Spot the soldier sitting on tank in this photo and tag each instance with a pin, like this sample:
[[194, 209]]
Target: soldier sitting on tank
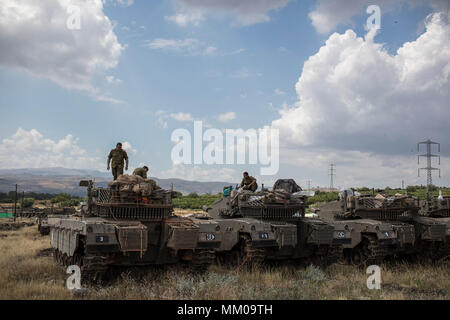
[[142, 172], [248, 183], [117, 155]]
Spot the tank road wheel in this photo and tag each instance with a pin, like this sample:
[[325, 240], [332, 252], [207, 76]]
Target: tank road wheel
[[436, 251], [56, 256], [59, 257], [203, 259], [327, 255], [368, 252], [246, 255], [77, 259]]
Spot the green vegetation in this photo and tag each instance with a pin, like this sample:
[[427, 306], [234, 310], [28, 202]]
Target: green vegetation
[[66, 200], [9, 196], [415, 191], [195, 201], [27, 202], [63, 199], [321, 196]]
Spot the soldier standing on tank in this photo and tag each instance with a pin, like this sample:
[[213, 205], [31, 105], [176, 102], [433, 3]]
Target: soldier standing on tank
[[248, 182], [117, 155], [142, 172]]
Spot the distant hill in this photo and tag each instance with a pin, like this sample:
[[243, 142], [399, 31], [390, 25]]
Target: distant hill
[[57, 171], [57, 180]]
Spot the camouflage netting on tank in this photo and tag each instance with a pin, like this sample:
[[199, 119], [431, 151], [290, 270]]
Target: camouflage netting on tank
[[277, 197], [134, 186], [288, 185], [379, 207], [380, 201], [436, 207]]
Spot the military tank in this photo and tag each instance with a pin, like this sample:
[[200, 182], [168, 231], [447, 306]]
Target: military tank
[[380, 226], [50, 213], [130, 223], [272, 225], [433, 227], [245, 240]]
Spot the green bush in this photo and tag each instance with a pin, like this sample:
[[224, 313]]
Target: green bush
[[193, 195], [178, 194], [62, 197], [27, 202], [321, 196]]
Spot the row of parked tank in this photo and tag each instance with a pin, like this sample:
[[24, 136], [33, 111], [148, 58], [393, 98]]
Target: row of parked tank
[[131, 225]]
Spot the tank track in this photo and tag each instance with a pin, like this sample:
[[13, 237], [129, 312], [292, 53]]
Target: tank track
[[251, 256], [443, 252], [435, 251], [327, 255], [203, 259], [378, 251], [93, 268], [370, 252]]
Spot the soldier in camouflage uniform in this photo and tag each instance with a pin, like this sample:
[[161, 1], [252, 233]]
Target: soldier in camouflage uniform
[[248, 183], [142, 172], [117, 155]]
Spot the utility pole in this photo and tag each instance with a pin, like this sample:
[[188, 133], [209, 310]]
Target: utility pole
[[332, 175], [15, 204], [21, 204], [429, 156], [309, 184], [403, 184]]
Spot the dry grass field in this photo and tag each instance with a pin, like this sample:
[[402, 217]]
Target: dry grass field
[[27, 271]]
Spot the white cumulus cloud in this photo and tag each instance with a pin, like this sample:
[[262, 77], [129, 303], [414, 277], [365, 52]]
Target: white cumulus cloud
[[113, 80], [181, 116], [329, 14], [246, 12], [279, 92], [227, 116], [188, 46], [128, 148], [122, 3], [34, 37], [30, 149], [201, 173], [187, 18], [356, 99], [353, 88]]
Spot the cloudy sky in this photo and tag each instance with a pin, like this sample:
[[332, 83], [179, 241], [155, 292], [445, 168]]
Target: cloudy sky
[[134, 71]]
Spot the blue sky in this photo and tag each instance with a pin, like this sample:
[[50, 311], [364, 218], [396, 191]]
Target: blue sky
[[225, 59]]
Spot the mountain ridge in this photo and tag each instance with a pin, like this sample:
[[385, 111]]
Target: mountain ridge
[[63, 180]]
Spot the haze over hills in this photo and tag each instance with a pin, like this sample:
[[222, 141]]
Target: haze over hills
[[57, 180]]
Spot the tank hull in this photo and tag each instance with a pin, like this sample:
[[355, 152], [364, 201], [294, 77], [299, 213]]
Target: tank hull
[[371, 240]]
